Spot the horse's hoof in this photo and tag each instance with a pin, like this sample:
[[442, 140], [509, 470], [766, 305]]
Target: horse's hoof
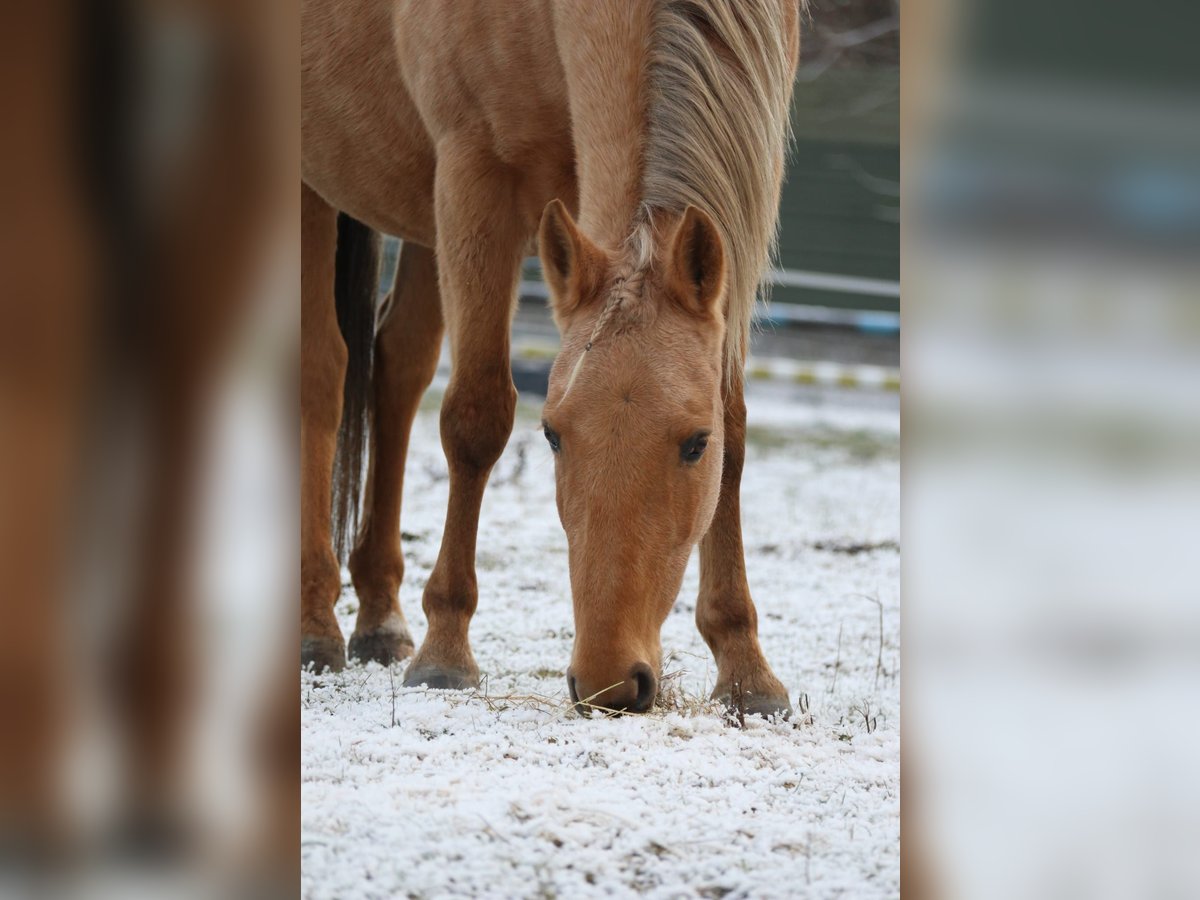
[[440, 679], [384, 644], [769, 703], [321, 653], [153, 837], [779, 707]]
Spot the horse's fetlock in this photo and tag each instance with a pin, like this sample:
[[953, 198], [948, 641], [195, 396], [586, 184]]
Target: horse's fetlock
[[720, 621], [319, 574], [452, 606], [371, 565]]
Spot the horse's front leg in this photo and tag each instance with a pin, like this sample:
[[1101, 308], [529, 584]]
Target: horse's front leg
[[480, 238], [725, 612]]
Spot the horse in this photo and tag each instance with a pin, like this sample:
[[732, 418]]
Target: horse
[[638, 146]]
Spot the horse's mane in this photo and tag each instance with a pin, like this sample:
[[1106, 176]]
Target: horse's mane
[[718, 90]]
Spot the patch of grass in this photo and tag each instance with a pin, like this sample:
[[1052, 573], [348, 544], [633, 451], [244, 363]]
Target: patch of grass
[[805, 376], [769, 438], [854, 549], [860, 445], [527, 410], [490, 562], [537, 352], [328, 692], [671, 699]]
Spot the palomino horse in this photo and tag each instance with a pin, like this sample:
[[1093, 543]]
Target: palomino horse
[[647, 138]]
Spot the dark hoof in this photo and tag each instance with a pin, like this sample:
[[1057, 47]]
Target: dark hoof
[[150, 837], [742, 704], [770, 707], [322, 653], [441, 679], [383, 645]]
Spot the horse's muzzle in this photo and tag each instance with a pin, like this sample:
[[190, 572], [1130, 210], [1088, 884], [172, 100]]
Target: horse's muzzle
[[635, 693]]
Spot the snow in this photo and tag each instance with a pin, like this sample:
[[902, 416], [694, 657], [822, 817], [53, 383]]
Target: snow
[[506, 792]]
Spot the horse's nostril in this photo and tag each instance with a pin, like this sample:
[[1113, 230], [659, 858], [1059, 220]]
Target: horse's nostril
[[647, 687], [635, 693]]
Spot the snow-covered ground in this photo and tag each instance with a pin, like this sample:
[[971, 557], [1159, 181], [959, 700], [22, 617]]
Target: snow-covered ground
[[505, 792]]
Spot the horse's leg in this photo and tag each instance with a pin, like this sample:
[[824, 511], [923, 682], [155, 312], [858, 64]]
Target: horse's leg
[[189, 316], [406, 355], [155, 659], [725, 612], [323, 369], [480, 238]]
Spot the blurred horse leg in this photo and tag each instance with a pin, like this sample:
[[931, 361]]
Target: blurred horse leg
[[196, 283], [47, 276]]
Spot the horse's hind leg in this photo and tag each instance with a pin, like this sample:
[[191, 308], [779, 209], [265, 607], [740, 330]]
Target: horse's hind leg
[[406, 354], [480, 239], [725, 612], [323, 370]]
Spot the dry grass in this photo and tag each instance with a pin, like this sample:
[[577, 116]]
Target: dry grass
[[672, 698]]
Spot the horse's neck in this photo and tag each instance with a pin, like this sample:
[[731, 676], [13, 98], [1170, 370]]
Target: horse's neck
[[603, 48]]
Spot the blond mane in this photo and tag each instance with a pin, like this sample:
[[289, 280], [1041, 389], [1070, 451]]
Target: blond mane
[[698, 116], [719, 87]]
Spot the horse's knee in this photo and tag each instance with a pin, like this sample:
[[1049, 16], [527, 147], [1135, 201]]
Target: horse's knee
[[725, 614], [477, 420]]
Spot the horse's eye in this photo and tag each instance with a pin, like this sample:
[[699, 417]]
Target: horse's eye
[[551, 437], [693, 448]]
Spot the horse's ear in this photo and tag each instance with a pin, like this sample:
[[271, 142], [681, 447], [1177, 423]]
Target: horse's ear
[[697, 267], [569, 260]]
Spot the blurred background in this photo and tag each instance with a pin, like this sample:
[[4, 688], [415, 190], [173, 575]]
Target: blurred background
[[1051, 487]]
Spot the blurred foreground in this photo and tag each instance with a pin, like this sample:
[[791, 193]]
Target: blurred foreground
[[147, 345]]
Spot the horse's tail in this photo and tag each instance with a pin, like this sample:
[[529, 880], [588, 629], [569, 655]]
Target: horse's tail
[[356, 283]]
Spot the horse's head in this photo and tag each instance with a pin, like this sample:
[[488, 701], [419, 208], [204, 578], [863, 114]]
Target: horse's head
[[634, 418]]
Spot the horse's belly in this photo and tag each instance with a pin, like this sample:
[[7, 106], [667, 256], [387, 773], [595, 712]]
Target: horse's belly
[[390, 190], [363, 145], [384, 83]]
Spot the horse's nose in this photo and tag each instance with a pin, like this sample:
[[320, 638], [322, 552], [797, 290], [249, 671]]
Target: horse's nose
[[646, 685], [635, 693]]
